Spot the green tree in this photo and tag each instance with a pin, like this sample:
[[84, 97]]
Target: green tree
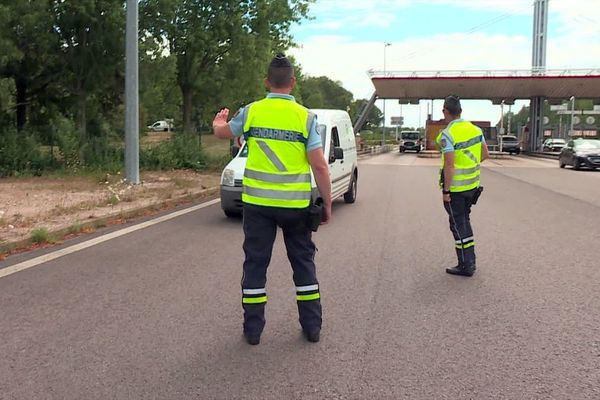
[[554, 119], [322, 92], [160, 97], [91, 34], [219, 45], [374, 118], [28, 51]]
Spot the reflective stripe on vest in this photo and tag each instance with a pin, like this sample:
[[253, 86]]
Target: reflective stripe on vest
[[467, 139], [277, 170]]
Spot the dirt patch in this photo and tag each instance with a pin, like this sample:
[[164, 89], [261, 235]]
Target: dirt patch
[[67, 203]]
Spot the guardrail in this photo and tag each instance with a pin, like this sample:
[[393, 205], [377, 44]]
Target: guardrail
[[372, 150]]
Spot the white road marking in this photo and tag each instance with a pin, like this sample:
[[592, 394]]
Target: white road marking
[[101, 239]]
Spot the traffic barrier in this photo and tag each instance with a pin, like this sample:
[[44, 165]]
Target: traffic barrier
[[372, 150]]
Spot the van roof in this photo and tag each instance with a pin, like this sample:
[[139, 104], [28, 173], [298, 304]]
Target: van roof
[[328, 113]]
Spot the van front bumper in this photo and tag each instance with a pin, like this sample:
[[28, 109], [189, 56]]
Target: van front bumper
[[231, 198]]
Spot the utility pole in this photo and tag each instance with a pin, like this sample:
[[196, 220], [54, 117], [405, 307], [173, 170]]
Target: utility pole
[[538, 67], [385, 46], [132, 123]]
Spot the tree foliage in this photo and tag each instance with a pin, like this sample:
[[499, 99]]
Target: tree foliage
[[220, 46], [555, 120], [375, 117], [322, 92], [62, 73]]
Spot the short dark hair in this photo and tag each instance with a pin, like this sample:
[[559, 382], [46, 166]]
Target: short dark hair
[[452, 104], [280, 72]]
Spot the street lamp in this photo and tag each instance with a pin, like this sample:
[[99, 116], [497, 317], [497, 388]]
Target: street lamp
[[132, 130], [385, 46]]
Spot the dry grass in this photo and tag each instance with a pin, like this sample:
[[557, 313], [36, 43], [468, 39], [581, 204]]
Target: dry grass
[[211, 145], [71, 204]]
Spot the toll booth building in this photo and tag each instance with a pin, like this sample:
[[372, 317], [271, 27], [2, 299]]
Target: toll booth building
[[553, 86]]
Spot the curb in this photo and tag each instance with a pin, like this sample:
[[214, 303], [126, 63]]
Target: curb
[[548, 156], [496, 155], [429, 154], [112, 219]]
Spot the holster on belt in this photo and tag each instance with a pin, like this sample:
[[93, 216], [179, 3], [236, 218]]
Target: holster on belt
[[315, 214], [476, 195]]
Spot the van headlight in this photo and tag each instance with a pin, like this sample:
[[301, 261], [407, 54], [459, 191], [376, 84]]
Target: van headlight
[[227, 179]]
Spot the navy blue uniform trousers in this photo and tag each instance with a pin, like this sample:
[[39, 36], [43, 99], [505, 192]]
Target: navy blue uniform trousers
[[459, 212], [260, 229]]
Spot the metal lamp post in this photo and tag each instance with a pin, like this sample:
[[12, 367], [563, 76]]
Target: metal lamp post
[[132, 123], [385, 46]]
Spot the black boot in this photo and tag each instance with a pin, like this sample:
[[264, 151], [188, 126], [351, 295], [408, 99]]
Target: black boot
[[462, 270], [313, 336], [252, 339]]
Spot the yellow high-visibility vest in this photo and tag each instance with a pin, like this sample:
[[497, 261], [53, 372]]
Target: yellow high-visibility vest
[[467, 139], [277, 169]]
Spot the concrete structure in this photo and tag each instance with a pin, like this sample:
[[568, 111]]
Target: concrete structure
[[498, 86], [433, 128]]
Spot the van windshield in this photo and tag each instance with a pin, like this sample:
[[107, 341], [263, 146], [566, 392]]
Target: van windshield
[[410, 135], [322, 131], [243, 151]]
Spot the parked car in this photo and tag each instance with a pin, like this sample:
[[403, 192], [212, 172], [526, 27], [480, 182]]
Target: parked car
[[553, 144], [510, 144], [410, 140], [339, 146], [580, 153], [160, 126]]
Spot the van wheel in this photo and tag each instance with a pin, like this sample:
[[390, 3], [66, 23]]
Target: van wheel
[[350, 195], [232, 214]]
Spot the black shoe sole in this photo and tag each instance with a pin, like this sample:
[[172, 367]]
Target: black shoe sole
[[252, 340], [460, 273], [312, 337]]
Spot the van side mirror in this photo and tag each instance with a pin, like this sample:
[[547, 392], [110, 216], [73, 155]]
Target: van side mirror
[[234, 151], [338, 154]]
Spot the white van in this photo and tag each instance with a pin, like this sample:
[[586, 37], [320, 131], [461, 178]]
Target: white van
[[339, 145], [161, 126]]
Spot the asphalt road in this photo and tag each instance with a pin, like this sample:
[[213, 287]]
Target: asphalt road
[[156, 314]]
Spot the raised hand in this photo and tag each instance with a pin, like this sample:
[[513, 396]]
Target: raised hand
[[221, 118]]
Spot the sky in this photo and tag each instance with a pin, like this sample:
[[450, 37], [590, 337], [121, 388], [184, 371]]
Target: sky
[[344, 39]]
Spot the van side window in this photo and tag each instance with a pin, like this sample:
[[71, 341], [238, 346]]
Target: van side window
[[335, 137], [335, 142]]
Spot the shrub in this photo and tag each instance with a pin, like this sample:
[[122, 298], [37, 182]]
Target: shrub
[[180, 152], [20, 154], [40, 235], [65, 134]]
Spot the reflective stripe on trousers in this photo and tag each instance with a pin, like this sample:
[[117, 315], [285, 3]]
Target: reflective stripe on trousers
[[459, 210]]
